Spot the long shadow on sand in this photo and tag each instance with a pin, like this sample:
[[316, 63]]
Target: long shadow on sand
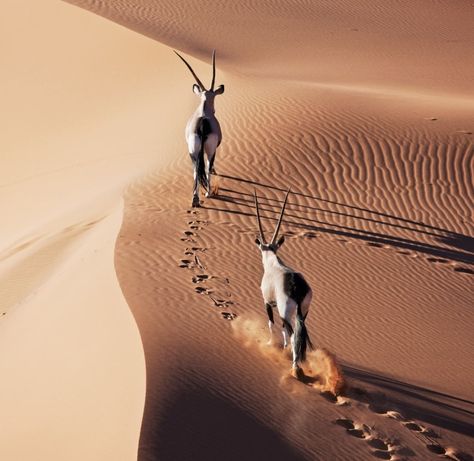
[[197, 425], [433, 407], [465, 242], [302, 216]]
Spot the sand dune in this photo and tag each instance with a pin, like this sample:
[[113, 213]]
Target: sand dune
[[366, 111], [371, 222]]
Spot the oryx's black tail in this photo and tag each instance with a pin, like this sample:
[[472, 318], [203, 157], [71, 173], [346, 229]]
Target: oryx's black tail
[[203, 130], [302, 341]]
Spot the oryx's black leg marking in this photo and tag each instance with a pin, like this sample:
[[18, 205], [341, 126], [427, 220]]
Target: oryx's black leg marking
[[196, 202], [269, 312]]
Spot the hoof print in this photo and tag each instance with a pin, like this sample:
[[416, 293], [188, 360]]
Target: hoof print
[[200, 278], [185, 263], [436, 449], [359, 433], [378, 444], [228, 315], [381, 454], [413, 426], [345, 423]]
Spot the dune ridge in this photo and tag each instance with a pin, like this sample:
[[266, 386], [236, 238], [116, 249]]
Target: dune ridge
[[332, 42]]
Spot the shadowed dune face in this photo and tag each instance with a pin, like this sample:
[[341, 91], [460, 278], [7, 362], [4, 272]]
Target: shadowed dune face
[[337, 42], [202, 425]]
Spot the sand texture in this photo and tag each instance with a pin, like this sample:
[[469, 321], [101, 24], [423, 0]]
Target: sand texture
[[365, 110]]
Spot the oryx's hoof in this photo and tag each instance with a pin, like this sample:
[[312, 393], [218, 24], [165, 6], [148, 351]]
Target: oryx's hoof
[[213, 171], [196, 202], [209, 194], [297, 372]]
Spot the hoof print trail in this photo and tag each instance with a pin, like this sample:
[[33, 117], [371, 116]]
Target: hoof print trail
[[196, 263], [380, 448]]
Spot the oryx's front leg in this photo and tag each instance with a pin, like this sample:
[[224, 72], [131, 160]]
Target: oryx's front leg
[[210, 147], [269, 308], [194, 147]]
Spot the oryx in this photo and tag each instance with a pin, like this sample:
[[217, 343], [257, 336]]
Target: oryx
[[285, 288], [203, 132]]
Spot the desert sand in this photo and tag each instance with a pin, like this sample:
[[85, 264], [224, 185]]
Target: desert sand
[[133, 325]]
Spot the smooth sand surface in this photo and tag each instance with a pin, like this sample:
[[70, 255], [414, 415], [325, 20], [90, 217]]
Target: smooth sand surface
[[366, 111], [71, 359]]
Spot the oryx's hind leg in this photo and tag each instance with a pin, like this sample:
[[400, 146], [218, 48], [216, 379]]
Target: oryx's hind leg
[[212, 170], [287, 310], [210, 147], [286, 331], [194, 147]]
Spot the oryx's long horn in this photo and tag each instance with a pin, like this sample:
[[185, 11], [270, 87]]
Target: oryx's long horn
[[277, 228], [213, 69], [203, 88], [262, 236]]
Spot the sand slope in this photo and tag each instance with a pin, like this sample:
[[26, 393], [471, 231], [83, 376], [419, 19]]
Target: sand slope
[[371, 223]]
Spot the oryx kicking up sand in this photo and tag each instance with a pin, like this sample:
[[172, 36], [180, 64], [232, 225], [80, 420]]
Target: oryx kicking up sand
[[287, 289], [203, 132]]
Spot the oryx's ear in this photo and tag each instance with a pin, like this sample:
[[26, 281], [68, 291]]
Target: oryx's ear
[[196, 89], [257, 241], [219, 89], [281, 241]]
